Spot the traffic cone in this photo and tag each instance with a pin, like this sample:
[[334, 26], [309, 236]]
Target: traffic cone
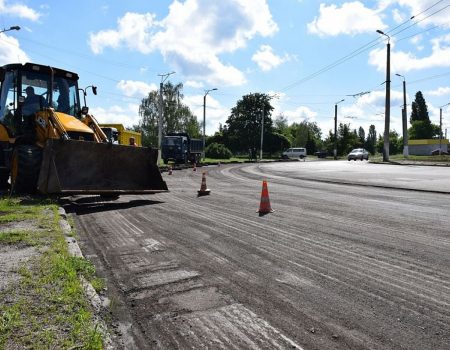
[[195, 167], [264, 206], [203, 191], [170, 170]]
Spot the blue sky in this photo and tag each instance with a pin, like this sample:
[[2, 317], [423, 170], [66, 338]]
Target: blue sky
[[310, 53]]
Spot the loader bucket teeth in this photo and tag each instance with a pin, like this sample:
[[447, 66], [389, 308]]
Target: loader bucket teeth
[[80, 167]]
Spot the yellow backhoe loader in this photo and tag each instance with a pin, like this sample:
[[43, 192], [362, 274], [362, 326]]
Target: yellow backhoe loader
[[52, 145]]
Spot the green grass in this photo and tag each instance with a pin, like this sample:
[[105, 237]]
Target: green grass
[[48, 308]]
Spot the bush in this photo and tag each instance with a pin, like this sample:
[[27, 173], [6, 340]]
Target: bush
[[218, 151]]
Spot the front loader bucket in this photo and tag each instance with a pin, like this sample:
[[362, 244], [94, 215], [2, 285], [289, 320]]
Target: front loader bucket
[[82, 167]]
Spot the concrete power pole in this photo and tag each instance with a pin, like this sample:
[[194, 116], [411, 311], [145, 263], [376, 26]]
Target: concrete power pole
[[387, 112]]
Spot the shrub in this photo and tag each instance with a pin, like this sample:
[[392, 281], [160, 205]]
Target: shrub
[[218, 151]]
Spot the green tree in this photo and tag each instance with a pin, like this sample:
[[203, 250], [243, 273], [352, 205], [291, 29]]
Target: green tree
[[421, 126], [361, 136], [371, 140], [243, 126], [177, 117], [395, 143]]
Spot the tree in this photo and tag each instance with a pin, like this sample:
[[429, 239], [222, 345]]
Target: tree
[[361, 135], [177, 117], [371, 140], [243, 130], [421, 126]]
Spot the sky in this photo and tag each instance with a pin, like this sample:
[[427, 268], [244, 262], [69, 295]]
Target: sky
[[308, 55]]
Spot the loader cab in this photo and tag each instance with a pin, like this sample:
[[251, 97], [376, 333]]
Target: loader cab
[[30, 88]]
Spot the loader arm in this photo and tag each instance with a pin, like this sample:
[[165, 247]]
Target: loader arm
[[90, 121]]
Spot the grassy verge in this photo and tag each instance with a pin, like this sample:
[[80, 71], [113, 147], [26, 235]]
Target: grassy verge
[[47, 308]]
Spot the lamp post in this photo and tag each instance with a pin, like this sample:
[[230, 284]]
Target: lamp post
[[335, 128], [440, 127], [404, 119], [204, 118], [10, 28], [160, 114], [387, 106]]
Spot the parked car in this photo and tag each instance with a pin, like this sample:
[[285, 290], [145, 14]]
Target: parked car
[[436, 152], [294, 153], [358, 153], [321, 154]]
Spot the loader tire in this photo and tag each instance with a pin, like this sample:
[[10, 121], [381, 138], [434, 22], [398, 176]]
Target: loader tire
[[25, 167]]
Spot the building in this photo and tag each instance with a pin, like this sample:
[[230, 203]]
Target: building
[[426, 146]]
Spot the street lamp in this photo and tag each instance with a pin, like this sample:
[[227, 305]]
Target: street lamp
[[262, 125], [404, 118], [204, 117], [10, 28], [440, 127], [387, 106], [161, 111], [335, 128]]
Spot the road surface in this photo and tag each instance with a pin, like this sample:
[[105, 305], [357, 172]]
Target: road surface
[[334, 267]]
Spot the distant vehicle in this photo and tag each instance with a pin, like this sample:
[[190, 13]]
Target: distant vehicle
[[358, 153], [321, 154], [294, 153], [436, 152], [180, 148], [118, 134]]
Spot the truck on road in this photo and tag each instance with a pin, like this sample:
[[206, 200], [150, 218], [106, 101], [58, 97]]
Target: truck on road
[[180, 148]]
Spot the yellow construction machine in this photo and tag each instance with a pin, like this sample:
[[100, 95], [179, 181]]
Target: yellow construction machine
[[52, 145]]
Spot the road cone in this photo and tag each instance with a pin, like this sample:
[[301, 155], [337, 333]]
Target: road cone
[[264, 206], [195, 167], [203, 191], [170, 170]]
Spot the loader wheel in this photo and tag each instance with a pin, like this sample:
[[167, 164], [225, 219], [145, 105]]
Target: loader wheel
[[25, 167]]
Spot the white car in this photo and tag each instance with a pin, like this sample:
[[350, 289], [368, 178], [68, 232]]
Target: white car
[[358, 153], [294, 153]]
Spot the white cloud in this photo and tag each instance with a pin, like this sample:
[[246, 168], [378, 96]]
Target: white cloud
[[194, 84], [11, 51], [193, 36], [133, 88], [128, 115], [215, 113], [441, 91], [418, 6], [407, 61], [300, 114], [266, 59], [352, 18], [18, 10]]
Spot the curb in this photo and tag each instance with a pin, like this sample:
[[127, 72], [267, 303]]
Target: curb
[[97, 302]]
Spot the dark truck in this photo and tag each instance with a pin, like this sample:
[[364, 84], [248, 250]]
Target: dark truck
[[180, 148]]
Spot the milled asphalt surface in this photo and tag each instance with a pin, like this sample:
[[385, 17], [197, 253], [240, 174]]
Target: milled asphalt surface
[[334, 267]]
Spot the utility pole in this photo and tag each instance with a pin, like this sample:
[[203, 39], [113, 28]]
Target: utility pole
[[404, 119], [387, 106], [204, 119], [262, 125], [161, 109], [335, 128]]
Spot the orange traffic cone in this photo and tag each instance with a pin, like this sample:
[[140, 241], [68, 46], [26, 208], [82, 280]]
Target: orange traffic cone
[[264, 206], [170, 170], [195, 167], [203, 191]]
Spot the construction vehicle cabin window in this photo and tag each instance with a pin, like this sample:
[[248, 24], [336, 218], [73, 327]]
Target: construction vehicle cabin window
[[7, 99], [35, 89], [65, 96]]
